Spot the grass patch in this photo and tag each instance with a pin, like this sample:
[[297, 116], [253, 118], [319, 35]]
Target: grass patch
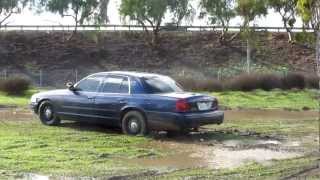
[[15, 100], [277, 99], [32, 147], [279, 169]]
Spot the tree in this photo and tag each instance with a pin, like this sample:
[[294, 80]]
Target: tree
[[181, 10], [152, 12], [287, 10], [248, 10], [80, 10], [102, 15], [8, 8], [310, 12], [219, 12]]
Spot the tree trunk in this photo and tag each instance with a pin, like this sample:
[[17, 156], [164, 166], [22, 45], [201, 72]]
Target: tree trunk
[[248, 56], [318, 72]]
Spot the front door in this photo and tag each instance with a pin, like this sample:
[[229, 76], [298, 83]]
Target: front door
[[80, 104]]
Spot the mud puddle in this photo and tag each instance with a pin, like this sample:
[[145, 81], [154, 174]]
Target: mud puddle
[[224, 154], [13, 114]]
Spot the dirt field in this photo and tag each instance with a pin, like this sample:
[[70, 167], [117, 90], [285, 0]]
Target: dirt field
[[251, 144]]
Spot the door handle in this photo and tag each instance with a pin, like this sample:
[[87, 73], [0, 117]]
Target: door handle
[[123, 101], [91, 98]]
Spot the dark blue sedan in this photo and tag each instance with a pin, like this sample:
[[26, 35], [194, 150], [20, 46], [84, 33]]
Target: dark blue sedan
[[136, 102]]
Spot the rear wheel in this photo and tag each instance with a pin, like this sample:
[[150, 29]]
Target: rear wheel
[[134, 123], [47, 114]]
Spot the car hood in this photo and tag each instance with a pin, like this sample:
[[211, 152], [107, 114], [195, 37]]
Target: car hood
[[53, 92]]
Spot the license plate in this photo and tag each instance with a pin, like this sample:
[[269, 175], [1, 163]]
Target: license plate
[[202, 106]]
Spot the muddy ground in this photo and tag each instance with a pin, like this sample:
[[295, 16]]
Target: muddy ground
[[211, 147]]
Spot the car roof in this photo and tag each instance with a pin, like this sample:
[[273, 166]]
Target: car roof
[[130, 73]]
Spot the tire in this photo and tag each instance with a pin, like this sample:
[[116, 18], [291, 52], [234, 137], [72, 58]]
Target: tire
[[47, 114], [134, 123]]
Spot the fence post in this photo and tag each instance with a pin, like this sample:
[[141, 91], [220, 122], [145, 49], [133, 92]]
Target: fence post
[[219, 74], [76, 74], [5, 73], [40, 79]]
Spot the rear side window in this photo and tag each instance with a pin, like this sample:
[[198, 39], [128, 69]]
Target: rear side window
[[90, 84], [155, 85], [115, 85]]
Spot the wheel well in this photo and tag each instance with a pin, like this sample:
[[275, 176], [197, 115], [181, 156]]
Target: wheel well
[[40, 102], [123, 112]]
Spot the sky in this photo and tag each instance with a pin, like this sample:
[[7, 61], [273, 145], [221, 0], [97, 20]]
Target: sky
[[28, 17]]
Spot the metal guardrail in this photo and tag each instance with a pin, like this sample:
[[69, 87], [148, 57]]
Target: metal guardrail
[[139, 28]]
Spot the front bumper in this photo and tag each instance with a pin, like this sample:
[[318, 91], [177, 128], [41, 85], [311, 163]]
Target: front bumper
[[34, 107]]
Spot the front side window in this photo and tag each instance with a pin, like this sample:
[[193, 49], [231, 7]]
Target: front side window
[[90, 84], [156, 85], [115, 85]]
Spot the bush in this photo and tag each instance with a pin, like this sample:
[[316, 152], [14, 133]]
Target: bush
[[268, 82], [191, 84], [209, 85], [14, 86], [243, 82], [312, 81], [294, 80]]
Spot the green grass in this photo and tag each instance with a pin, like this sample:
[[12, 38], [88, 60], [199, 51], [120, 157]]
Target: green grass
[[276, 99], [21, 101], [32, 147]]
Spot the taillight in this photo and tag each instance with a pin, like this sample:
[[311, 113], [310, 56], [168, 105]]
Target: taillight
[[182, 106]]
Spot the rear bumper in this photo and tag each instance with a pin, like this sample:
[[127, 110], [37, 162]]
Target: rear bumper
[[179, 121], [199, 119]]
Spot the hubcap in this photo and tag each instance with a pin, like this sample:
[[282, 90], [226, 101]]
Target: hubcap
[[48, 113], [134, 126]]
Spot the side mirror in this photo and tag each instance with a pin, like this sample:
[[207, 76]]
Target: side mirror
[[70, 86]]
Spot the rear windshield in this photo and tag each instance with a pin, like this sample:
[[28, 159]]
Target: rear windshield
[[158, 85]]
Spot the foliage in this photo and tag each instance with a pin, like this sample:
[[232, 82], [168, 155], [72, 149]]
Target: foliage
[[181, 10], [152, 12], [14, 86], [218, 11], [10, 7], [287, 10], [310, 12], [82, 10]]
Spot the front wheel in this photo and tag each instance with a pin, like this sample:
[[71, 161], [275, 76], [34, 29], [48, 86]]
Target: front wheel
[[134, 123], [47, 114]]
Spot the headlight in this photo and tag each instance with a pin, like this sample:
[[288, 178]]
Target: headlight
[[34, 99]]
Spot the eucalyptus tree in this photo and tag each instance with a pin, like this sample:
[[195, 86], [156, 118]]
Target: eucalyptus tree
[[287, 10], [151, 13], [80, 11], [249, 10], [182, 10], [310, 12], [219, 12], [10, 7]]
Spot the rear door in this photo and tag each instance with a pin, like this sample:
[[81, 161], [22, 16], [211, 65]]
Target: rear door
[[114, 94]]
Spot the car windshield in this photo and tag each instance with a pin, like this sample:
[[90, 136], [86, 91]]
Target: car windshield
[[157, 85]]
